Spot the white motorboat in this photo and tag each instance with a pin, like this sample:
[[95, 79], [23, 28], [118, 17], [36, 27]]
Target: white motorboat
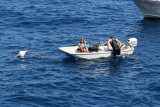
[[149, 8], [101, 51]]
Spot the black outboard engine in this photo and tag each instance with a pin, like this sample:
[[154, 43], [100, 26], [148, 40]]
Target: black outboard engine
[[116, 48]]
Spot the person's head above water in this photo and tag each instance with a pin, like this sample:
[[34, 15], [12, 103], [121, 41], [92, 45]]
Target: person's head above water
[[111, 37]]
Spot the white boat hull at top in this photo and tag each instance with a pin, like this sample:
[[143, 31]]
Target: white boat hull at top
[[102, 50], [149, 8]]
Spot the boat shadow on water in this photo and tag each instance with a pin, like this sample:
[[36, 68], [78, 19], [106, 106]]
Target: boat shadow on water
[[111, 66], [148, 24]]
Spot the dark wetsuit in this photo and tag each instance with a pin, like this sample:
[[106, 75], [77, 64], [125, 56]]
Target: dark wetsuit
[[116, 49]]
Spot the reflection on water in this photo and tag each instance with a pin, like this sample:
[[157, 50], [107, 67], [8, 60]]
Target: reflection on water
[[112, 66], [24, 66]]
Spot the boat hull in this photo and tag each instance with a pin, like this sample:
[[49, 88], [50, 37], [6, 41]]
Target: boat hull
[[149, 8], [92, 55]]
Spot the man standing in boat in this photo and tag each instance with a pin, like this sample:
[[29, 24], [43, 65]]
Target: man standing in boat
[[115, 43]]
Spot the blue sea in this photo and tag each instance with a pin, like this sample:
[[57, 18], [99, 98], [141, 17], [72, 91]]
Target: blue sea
[[42, 26]]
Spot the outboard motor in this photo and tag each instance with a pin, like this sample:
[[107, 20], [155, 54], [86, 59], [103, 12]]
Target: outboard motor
[[132, 42]]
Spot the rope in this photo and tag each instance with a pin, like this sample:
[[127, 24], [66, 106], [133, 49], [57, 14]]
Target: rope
[[30, 54], [40, 56]]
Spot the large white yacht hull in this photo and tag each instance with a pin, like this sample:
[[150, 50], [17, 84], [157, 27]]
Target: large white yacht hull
[[149, 8]]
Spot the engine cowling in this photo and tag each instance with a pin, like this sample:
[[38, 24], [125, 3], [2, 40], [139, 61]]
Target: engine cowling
[[132, 42]]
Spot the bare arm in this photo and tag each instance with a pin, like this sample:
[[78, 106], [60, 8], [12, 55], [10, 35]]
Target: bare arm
[[85, 43], [108, 43], [119, 42], [79, 45]]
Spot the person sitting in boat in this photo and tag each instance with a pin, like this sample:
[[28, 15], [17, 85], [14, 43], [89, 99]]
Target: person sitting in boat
[[115, 43], [82, 45]]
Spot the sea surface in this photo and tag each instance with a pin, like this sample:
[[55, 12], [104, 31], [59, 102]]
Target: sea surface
[[42, 26]]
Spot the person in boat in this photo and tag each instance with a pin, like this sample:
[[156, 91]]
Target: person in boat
[[115, 44], [82, 45]]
